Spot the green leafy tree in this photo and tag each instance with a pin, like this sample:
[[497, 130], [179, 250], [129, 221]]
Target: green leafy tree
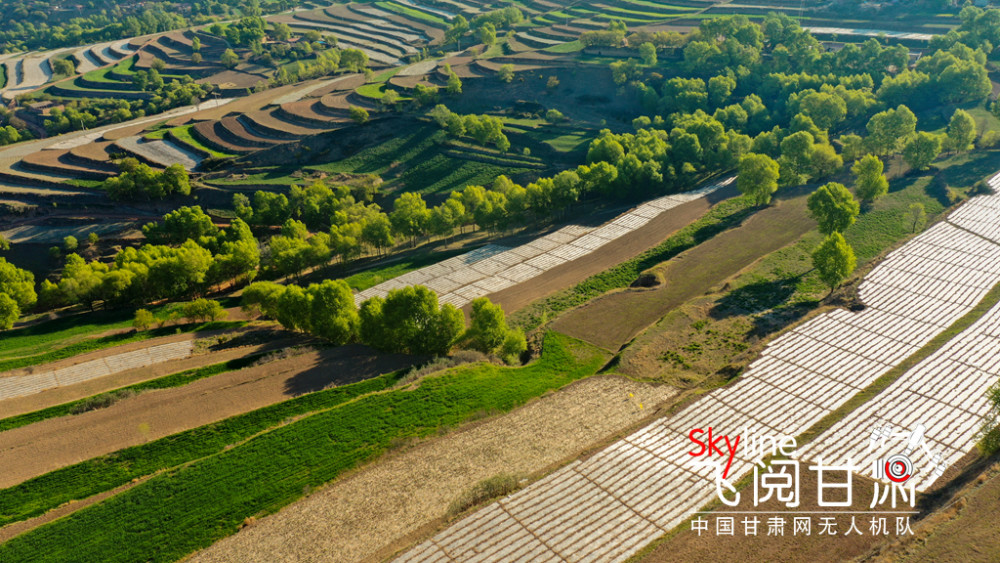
[[488, 327], [143, 320], [9, 311], [410, 320], [18, 284], [334, 315], [488, 34], [229, 59], [358, 114], [834, 260], [887, 130], [758, 177], [921, 150], [869, 182], [833, 207], [506, 73], [647, 52], [454, 85], [204, 310], [961, 131], [93, 238], [916, 215], [70, 244]]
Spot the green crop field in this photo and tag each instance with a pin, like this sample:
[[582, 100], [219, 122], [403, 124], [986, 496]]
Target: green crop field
[[412, 13], [179, 511], [183, 134], [374, 276]]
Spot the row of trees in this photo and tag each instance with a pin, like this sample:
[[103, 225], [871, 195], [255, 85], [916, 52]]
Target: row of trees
[[193, 256], [138, 181], [408, 320], [484, 129]]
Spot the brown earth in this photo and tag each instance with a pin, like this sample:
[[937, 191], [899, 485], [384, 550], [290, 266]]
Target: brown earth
[[609, 255], [50, 444], [612, 320], [386, 506]]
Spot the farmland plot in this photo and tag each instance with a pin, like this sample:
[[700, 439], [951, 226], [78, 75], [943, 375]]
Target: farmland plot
[[610, 505], [492, 268]]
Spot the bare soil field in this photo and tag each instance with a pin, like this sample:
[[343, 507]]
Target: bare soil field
[[32, 450], [382, 508], [609, 255], [613, 320]]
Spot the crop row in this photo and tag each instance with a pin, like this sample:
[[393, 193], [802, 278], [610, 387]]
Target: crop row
[[177, 512]]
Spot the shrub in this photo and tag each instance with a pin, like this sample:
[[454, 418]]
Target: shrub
[[204, 310], [143, 319], [484, 491]]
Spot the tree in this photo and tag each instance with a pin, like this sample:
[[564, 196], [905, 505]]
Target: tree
[[9, 311], [796, 157], [63, 67], [554, 116], [647, 52], [229, 59], [93, 238], [204, 310], [758, 177], [869, 182], [833, 207], [506, 73], [921, 150], [70, 244], [961, 131], [353, 60], [459, 25], [334, 315], [552, 83], [834, 260], [488, 34], [158, 65], [454, 82], [853, 146], [409, 216], [410, 320], [143, 320], [196, 58], [488, 328], [890, 128], [358, 114], [916, 215], [195, 44]]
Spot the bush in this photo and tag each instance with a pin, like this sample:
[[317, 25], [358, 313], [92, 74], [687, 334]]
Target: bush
[[989, 139], [514, 346], [70, 244], [485, 491], [204, 310], [143, 320]]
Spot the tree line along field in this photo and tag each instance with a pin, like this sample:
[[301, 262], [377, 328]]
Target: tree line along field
[[820, 113]]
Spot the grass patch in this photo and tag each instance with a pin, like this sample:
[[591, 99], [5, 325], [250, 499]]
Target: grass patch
[[568, 47], [84, 183], [570, 141], [373, 90], [183, 134], [103, 400], [412, 13], [370, 278], [180, 511]]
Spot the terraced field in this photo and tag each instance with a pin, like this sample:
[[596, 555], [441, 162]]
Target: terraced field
[[610, 505]]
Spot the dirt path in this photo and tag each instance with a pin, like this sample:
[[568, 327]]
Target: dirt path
[[609, 255], [384, 506], [48, 445], [613, 320]]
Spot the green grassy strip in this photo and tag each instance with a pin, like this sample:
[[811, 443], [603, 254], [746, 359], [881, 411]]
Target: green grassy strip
[[93, 344], [176, 513], [3, 76], [723, 216], [412, 13], [370, 278], [183, 134], [173, 380], [104, 473]]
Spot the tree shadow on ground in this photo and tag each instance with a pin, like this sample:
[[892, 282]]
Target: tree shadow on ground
[[755, 298], [347, 364]]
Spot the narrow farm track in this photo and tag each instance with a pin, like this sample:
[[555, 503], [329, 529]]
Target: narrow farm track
[[36, 449], [610, 505]]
